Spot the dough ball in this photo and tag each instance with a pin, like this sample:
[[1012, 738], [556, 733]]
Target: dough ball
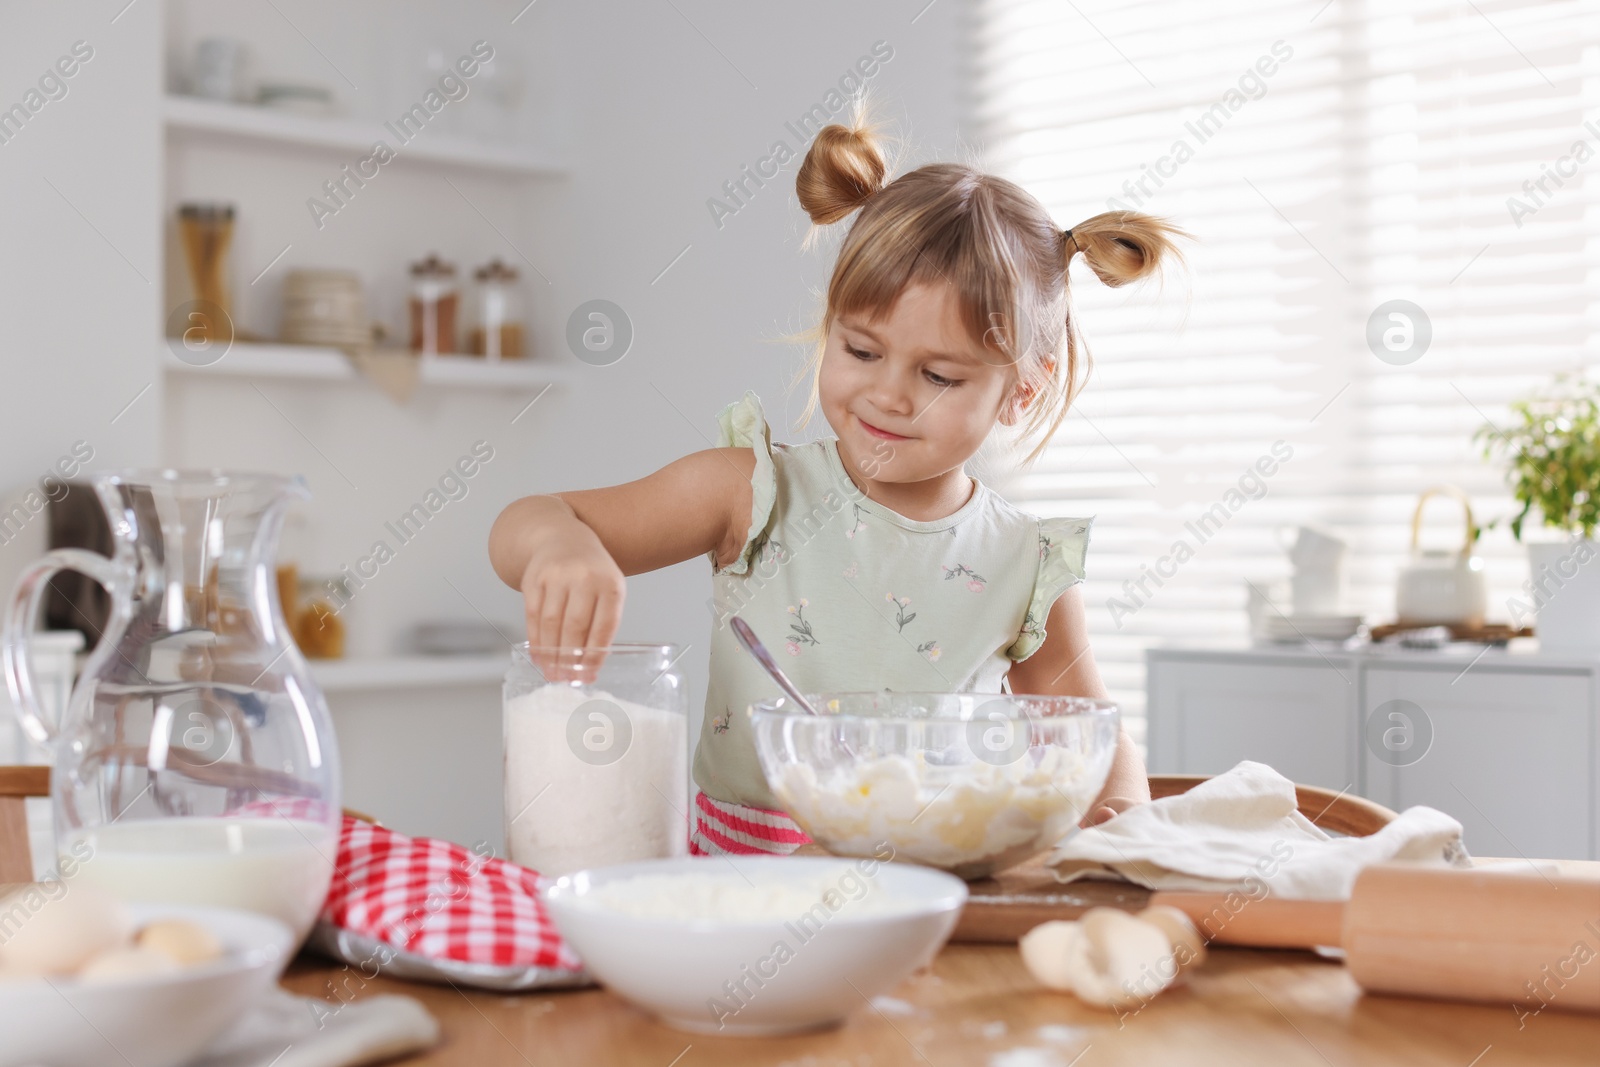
[[58, 935], [1188, 947], [123, 964], [187, 943]]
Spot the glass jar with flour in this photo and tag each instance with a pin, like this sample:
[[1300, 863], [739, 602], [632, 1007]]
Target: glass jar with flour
[[596, 756]]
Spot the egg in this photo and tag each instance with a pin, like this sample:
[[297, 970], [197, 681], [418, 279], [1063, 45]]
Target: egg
[[1108, 958], [183, 941], [121, 964], [58, 934], [1188, 947], [1052, 951], [1130, 960]]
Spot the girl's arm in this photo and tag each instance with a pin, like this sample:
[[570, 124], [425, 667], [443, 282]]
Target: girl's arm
[[568, 552], [1064, 666]]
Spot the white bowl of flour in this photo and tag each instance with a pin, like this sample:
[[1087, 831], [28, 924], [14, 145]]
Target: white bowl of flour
[[762, 945]]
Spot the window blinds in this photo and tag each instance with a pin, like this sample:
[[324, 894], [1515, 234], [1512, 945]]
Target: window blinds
[[1329, 157]]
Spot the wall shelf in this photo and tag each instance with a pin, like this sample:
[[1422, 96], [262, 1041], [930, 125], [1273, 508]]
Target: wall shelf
[[185, 115], [405, 672], [312, 363]]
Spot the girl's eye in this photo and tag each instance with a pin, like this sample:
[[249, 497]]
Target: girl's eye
[[937, 379]]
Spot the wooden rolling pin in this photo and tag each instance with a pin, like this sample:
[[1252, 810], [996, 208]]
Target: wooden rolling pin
[[1508, 937]]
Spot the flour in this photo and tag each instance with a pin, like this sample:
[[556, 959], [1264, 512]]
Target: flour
[[756, 896], [593, 780]]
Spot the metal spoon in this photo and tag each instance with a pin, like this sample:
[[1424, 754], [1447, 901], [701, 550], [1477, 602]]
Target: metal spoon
[[752, 644]]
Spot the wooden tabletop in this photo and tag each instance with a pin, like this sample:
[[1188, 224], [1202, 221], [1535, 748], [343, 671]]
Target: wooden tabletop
[[978, 1007]]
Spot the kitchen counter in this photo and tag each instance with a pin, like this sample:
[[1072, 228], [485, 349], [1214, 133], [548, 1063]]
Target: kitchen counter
[[978, 1007]]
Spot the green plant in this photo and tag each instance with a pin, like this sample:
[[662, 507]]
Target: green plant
[[1553, 453]]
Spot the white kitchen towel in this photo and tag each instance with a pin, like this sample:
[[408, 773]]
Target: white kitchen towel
[[284, 1030], [1241, 831]]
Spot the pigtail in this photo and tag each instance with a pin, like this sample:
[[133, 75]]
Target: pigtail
[[1122, 246]]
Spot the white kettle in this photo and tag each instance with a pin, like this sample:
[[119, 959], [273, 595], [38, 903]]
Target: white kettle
[[1442, 587]]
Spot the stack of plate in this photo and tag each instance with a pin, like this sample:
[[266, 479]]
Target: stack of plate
[[1289, 628]]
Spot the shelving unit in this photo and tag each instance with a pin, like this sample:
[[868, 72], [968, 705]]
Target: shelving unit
[[311, 363], [406, 672], [186, 115]]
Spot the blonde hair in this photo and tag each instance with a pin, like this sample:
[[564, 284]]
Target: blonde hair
[[1005, 258]]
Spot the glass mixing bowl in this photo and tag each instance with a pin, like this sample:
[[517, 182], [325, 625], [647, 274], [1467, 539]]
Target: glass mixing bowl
[[971, 783]]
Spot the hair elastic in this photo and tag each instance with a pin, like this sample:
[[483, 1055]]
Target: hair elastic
[[1075, 246]]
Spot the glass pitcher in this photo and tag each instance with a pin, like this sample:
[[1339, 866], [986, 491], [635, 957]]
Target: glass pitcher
[[195, 761]]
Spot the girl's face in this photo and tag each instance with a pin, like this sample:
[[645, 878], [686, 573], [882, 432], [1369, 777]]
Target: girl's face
[[912, 396]]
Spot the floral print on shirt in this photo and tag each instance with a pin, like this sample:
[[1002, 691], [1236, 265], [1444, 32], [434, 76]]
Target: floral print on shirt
[[800, 631], [858, 523], [900, 604], [975, 581]]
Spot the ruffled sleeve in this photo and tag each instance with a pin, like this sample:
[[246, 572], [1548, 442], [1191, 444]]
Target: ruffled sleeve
[[742, 425], [1063, 544]]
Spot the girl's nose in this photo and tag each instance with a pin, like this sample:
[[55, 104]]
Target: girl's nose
[[891, 391]]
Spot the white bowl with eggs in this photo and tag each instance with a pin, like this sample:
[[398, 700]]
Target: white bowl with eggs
[[86, 982], [755, 945]]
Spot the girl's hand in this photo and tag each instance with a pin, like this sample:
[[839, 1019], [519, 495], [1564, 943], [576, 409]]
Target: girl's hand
[[1108, 808], [572, 595]]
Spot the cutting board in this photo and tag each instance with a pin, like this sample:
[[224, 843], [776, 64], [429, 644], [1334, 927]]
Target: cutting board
[[1005, 907]]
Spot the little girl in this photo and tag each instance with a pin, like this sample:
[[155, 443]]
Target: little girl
[[869, 560]]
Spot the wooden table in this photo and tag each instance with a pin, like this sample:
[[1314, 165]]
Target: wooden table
[[978, 1007]]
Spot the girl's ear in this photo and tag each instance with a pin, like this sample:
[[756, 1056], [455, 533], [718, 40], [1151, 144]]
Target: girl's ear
[[1015, 405]]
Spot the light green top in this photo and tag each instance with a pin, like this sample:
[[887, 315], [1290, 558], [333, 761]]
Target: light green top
[[849, 595]]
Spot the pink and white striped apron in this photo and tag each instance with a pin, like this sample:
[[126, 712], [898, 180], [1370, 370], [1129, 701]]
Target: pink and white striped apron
[[722, 829]]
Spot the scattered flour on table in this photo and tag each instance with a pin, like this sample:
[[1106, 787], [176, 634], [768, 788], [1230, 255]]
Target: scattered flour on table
[[1026, 1057], [1057, 1034], [892, 1006], [565, 813]]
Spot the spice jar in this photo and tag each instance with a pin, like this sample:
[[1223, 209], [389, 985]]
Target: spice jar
[[596, 756], [206, 232], [434, 300], [497, 328]]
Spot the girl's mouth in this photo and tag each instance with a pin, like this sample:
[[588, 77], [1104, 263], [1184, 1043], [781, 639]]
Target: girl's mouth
[[883, 434]]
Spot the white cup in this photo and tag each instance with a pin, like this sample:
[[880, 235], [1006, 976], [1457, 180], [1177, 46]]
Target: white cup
[[1314, 548], [1315, 591], [216, 69]]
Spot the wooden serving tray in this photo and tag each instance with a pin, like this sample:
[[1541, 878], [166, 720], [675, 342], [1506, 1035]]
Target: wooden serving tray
[[1005, 907], [1488, 633]]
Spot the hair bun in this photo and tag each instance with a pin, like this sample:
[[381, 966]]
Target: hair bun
[[842, 170]]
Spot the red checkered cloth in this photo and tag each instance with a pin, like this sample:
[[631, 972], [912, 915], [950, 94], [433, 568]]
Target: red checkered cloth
[[415, 907], [724, 829]]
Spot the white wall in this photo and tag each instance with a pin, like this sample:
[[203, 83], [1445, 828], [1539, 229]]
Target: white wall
[[79, 251], [653, 106]]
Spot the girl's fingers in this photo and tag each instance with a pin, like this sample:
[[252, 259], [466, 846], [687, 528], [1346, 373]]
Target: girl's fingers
[[575, 632], [607, 617], [552, 609], [532, 608]]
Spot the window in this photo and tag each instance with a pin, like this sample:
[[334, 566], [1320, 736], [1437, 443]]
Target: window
[[1329, 158]]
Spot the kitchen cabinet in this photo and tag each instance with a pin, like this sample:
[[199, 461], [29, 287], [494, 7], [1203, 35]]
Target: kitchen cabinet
[[1291, 716], [1506, 741]]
